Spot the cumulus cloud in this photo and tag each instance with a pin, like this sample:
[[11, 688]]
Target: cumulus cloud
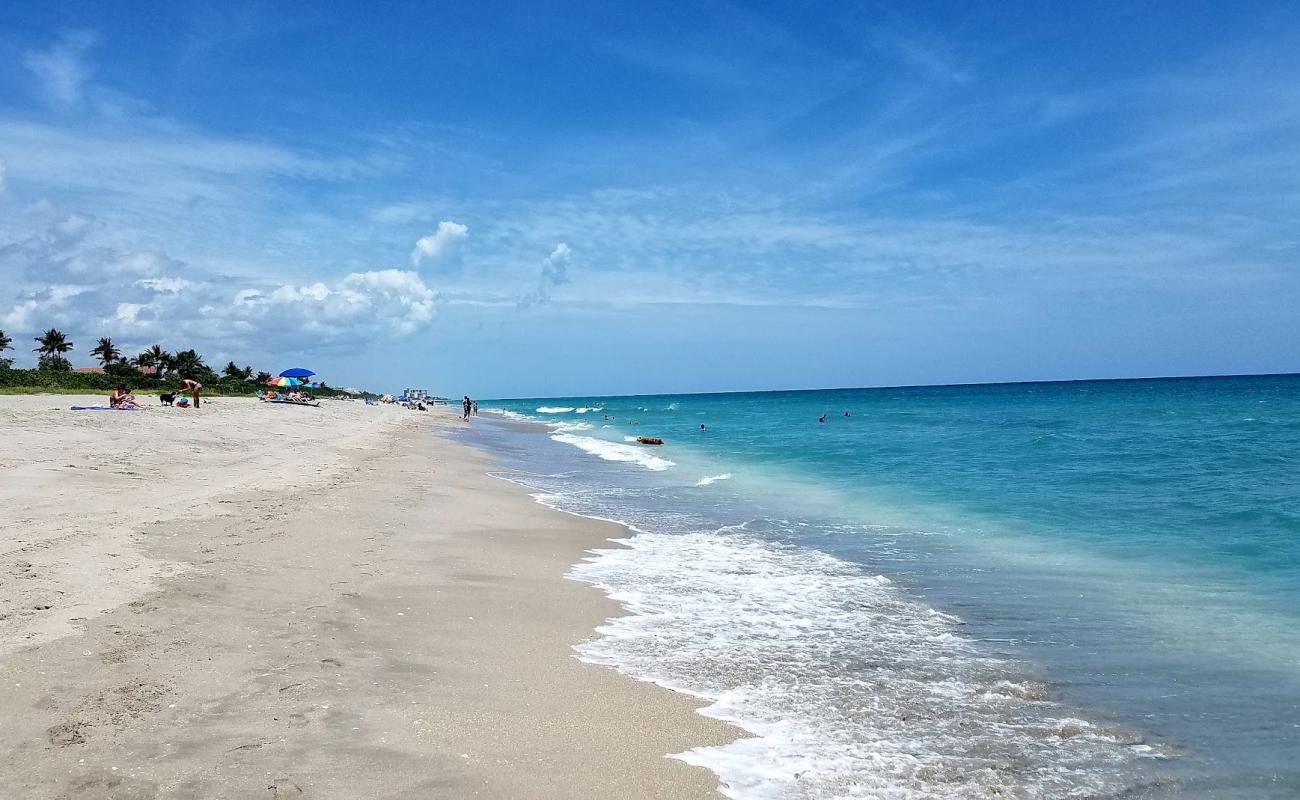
[[555, 272], [441, 246], [391, 299], [61, 71], [68, 272], [555, 267]]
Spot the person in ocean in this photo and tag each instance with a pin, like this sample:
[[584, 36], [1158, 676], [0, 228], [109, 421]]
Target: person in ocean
[[846, 413], [822, 418], [465, 405], [702, 426], [476, 408], [192, 387]]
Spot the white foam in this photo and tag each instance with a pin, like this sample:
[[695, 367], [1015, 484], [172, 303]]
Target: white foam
[[614, 451], [569, 427], [726, 476], [851, 687], [553, 409]]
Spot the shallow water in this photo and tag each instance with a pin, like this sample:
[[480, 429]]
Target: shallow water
[[1041, 590]]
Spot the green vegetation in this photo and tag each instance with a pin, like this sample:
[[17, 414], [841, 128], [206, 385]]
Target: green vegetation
[[54, 373]]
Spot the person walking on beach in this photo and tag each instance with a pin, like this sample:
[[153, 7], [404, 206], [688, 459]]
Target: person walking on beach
[[476, 408], [465, 404], [192, 387]]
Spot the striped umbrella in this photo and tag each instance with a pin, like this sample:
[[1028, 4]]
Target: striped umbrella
[[284, 382]]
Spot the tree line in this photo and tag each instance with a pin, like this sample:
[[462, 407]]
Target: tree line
[[53, 346]]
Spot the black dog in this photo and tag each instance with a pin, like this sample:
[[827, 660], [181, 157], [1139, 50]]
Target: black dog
[[167, 399]]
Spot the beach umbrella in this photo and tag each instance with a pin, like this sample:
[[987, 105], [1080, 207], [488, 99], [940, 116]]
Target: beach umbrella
[[297, 372], [282, 381]]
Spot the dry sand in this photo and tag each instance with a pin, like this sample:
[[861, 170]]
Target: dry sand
[[251, 601]]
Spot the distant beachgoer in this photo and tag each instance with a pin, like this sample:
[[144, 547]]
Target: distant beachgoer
[[822, 418], [466, 404], [193, 387], [702, 426], [846, 413], [476, 408]]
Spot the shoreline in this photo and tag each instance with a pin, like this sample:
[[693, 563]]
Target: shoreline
[[377, 617]]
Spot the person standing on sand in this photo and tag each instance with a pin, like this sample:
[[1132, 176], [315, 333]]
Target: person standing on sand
[[465, 404], [476, 408], [188, 385]]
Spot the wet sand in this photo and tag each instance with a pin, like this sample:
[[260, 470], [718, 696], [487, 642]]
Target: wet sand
[[267, 601]]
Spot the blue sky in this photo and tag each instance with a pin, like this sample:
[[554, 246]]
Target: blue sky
[[568, 198]]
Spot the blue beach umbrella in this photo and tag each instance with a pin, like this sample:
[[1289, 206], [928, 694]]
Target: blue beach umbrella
[[297, 372]]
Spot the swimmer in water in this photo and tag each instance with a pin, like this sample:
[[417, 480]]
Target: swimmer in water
[[822, 418]]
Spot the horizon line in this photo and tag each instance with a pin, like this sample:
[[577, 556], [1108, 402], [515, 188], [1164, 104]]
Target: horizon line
[[1037, 382]]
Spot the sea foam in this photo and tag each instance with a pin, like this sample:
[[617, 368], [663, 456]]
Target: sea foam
[[614, 451], [851, 687]]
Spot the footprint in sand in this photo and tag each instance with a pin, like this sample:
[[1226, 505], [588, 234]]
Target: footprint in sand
[[68, 733]]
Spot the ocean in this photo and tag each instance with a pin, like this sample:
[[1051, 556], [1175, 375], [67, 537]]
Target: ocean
[[1051, 590]]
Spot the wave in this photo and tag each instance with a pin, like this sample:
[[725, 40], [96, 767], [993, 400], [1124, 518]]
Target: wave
[[585, 409], [615, 451], [570, 427], [726, 476], [850, 686], [553, 409]]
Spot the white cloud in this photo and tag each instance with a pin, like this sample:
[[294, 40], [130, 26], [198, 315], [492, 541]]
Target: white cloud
[[443, 245], [350, 309], [401, 213], [128, 312], [20, 317], [555, 267], [4, 176], [555, 272], [165, 285], [61, 71]]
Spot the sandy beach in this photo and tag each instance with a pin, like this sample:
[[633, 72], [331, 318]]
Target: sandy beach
[[255, 601]]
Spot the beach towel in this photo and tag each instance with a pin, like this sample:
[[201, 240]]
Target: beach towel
[[103, 408]]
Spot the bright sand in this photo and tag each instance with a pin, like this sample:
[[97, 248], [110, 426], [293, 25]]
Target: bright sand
[[267, 601]]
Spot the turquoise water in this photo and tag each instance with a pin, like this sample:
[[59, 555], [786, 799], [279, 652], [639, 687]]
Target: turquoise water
[[1036, 590]]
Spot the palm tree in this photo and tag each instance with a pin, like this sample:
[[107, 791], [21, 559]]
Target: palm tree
[[263, 377], [52, 343], [6, 343], [106, 352], [247, 373], [232, 371], [189, 364], [154, 357]]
